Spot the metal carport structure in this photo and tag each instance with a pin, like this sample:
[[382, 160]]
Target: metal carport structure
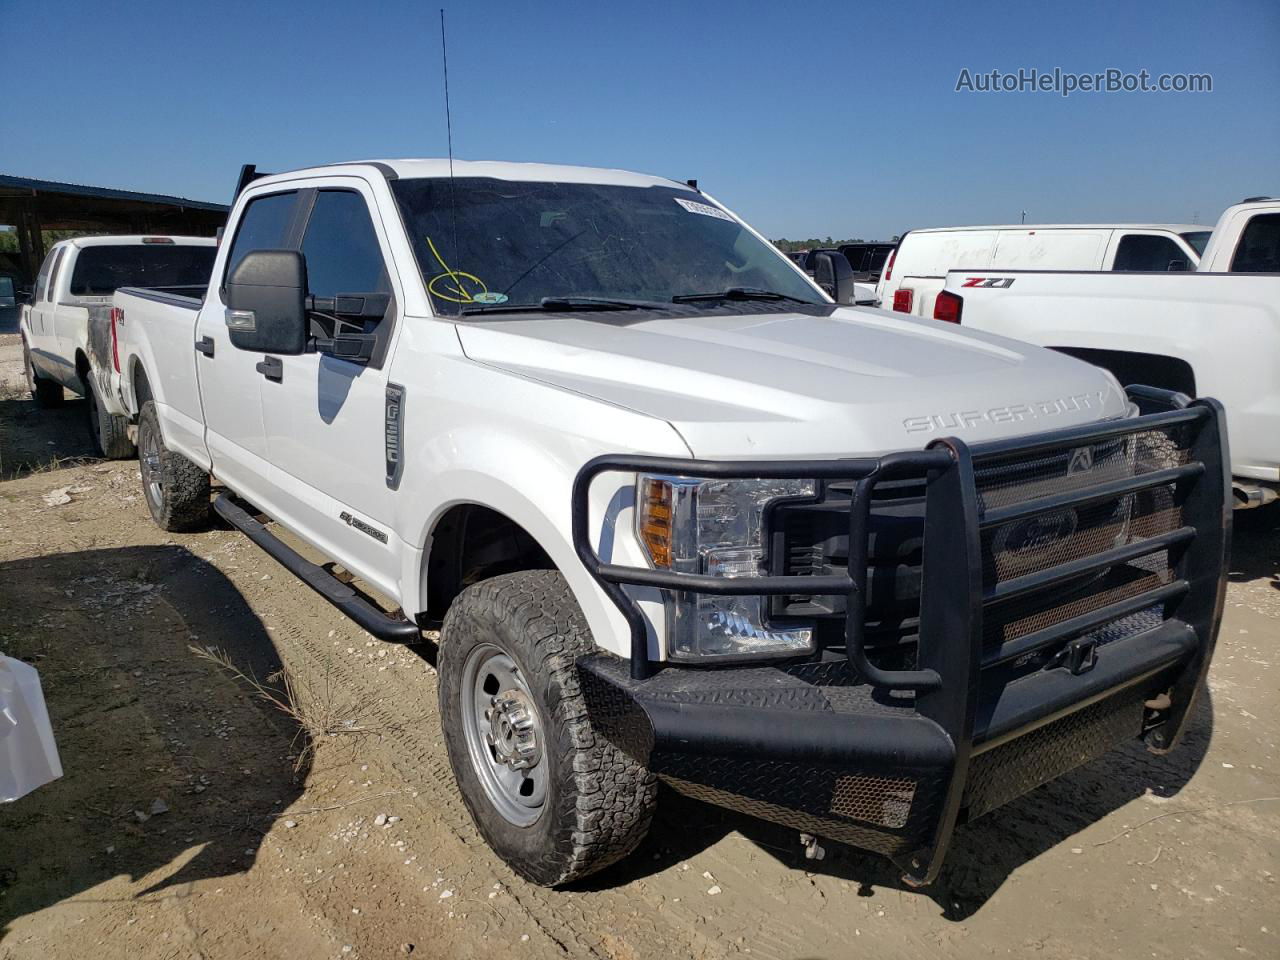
[[32, 206]]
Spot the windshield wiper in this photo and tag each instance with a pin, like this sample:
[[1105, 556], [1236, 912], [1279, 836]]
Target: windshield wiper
[[567, 305], [738, 293], [598, 303]]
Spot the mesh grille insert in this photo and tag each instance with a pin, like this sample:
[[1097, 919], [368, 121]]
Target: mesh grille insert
[[1013, 479], [1061, 535], [1021, 617], [878, 800]]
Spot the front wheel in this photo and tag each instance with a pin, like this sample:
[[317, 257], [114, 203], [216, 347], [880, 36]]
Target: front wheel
[[46, 393], [553, 797], [176, 490]]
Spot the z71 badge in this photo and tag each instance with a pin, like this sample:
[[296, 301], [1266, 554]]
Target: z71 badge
[[998, 282]]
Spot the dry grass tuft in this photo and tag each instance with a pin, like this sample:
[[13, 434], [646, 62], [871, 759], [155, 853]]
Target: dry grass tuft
[[308, 699]]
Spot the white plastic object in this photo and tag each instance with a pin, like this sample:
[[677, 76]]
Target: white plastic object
[[28, 754]]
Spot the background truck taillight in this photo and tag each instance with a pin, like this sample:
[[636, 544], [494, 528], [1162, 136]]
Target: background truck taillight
[[902, 300], [948, 307], [888, 267], [117, 318]]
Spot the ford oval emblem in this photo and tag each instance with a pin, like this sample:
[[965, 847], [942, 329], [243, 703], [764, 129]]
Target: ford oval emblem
[[1036, 533]]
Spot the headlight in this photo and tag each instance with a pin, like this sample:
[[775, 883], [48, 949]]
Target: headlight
[[715, 527]]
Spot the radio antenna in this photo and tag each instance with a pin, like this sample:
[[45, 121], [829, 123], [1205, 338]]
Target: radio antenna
[[448, 122], [448, 116]]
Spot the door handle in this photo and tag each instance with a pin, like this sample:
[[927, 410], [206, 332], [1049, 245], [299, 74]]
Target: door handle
[[271, 368], [205, 346]]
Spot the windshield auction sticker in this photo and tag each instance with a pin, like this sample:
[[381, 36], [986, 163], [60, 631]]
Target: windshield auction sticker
[[703, 208]]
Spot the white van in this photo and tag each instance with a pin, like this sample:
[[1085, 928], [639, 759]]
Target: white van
[[917, 270]]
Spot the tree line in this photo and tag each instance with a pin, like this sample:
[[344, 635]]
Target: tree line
[[792, 246]]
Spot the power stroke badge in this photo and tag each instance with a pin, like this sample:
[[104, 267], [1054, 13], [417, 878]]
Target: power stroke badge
[[357, 524]]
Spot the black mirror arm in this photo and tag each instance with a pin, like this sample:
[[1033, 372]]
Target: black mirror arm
[[365, 306], [354, 347]]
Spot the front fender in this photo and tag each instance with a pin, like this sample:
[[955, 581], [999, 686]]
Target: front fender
[[540, 505], [477, 434]]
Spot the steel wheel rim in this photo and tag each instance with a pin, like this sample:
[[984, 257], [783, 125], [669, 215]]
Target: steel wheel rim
[[149, 462], [495, 695]]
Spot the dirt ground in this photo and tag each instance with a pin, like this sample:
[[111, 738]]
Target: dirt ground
[[194, 820]]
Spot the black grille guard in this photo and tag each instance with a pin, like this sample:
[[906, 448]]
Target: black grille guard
[[948, 683]]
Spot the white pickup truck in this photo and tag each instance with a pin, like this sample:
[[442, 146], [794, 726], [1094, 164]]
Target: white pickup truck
[[916, 270], [1212, 331], [68, 334], [676, 513]]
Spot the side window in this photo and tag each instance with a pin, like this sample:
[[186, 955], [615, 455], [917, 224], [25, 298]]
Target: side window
[[1143, 251], [53, 274], [264, 225], [341, 247], [1259, 247], [42, 278]]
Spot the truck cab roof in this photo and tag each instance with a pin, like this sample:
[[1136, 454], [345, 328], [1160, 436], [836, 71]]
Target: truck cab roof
[[500, 170], [138, 239], [1175, 227]]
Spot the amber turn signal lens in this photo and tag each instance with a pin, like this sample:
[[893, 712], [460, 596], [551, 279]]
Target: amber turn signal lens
[[655, 521]]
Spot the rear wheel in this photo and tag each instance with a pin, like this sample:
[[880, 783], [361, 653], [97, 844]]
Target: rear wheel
[[110, 433], [46, 393], [554, 798], [176, 490]]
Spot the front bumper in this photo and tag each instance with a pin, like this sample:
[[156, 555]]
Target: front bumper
[[892, 759]]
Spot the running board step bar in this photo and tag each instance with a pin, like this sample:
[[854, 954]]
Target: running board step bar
[[367, 616]]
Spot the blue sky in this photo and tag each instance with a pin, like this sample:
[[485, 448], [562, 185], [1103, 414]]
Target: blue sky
[[807, 118]]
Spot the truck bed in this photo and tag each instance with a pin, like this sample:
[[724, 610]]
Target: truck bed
[[157, 333], [1221, 329]]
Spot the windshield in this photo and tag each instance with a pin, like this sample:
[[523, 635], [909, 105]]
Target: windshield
[[1198, 240], [101, 270], [487, 242]]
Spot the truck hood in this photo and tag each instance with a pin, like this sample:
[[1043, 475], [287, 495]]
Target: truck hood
[[783, 384]]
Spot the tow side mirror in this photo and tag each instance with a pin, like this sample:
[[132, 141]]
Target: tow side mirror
[[26, 296], [266, 302], [1178, 265], [833, 274]]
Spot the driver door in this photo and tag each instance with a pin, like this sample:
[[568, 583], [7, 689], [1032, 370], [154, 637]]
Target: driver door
[[324, 416]]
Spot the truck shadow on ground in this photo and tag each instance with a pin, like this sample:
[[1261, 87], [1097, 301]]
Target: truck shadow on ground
[[173, 770], [32, 439], [1255, 549], [983, 853]]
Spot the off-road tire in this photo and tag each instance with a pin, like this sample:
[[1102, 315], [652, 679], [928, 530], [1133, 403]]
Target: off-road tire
[[46, 393], [109, 433], [599, 801], [182, 501]]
